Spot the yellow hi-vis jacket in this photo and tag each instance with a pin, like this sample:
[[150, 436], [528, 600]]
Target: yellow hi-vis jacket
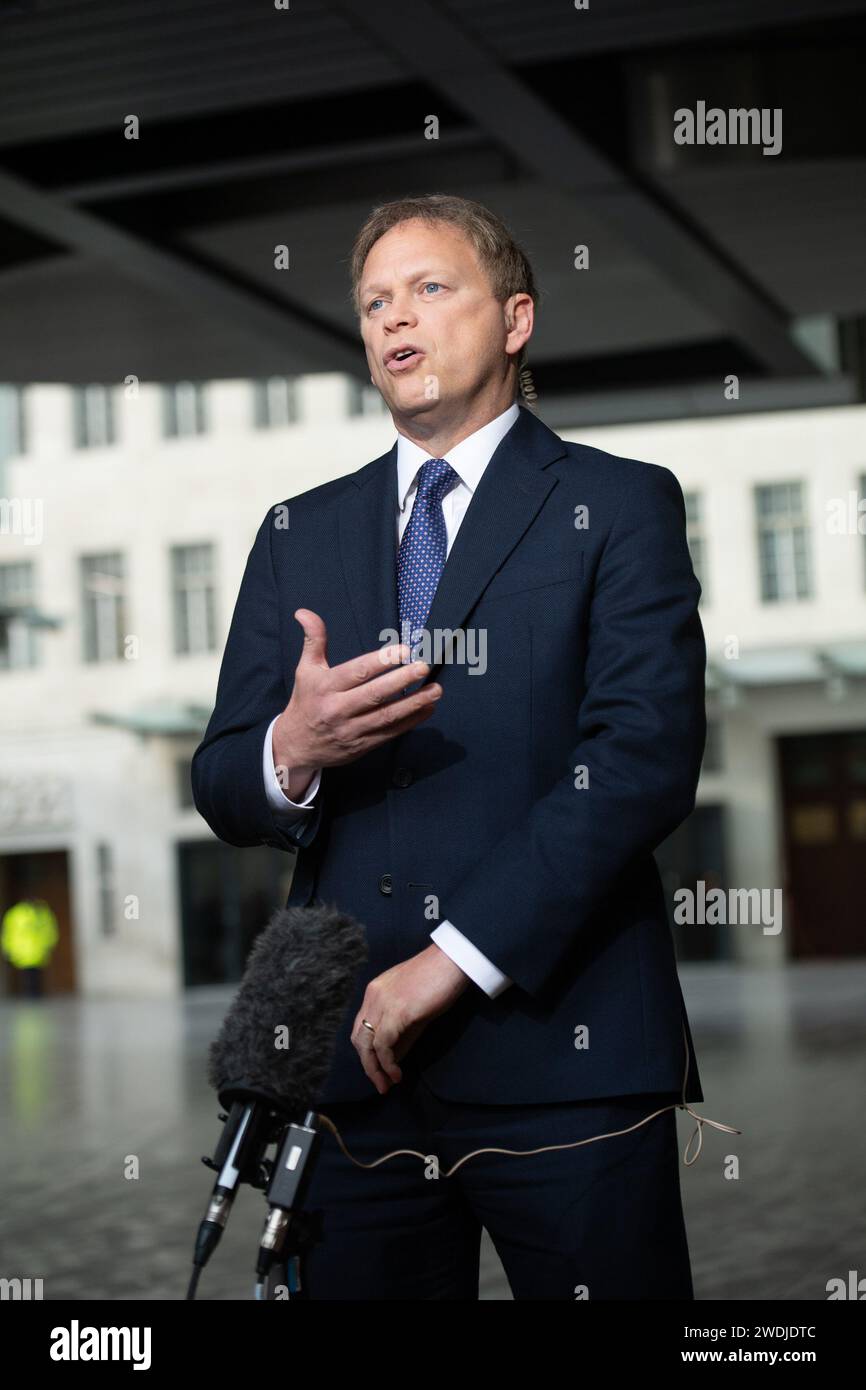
[[29, 933]]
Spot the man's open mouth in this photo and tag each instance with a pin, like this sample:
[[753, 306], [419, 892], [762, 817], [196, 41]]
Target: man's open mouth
[[403, 359]]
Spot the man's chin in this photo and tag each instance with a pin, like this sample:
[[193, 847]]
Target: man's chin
[[413, 404]]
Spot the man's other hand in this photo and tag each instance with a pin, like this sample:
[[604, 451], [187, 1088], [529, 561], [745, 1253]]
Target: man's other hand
[[399, 1004]]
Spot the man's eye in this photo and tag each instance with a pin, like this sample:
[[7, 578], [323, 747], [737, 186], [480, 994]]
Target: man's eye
[[434, 283], [372, 302]]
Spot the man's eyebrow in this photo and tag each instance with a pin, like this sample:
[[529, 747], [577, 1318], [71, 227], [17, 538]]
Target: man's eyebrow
[[366, 290]]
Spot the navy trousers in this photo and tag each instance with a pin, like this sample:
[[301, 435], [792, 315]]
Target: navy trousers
[[603, 1221]]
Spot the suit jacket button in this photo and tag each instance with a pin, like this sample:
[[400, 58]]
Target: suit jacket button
[[402, 777], [385, 884]]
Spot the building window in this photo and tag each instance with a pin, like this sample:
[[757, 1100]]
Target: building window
[[193, 598], [183, 783], [364, 399], [17, 634], [12, 440], [783, 542], [696, 538], [105, 888], [713, 760], [183, 409], [697, 852], [92, 416], [275, 402], [103, 606]]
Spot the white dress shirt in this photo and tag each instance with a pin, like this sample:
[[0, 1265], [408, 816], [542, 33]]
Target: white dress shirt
[[469, 459]]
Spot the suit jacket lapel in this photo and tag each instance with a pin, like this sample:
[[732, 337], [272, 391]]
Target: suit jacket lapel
[[511, 491]]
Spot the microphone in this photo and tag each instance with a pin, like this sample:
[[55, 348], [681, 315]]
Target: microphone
[[274, 1048]]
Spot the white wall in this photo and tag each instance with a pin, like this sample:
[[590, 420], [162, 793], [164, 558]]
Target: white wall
[[146, 493]]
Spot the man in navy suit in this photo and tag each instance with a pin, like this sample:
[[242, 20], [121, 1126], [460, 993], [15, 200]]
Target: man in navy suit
[[488, 810]]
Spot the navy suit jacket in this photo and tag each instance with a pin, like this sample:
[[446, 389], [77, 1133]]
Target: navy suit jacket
[[525, 809]]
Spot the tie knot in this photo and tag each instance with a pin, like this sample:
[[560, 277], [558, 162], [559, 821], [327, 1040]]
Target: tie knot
[[437, 477]]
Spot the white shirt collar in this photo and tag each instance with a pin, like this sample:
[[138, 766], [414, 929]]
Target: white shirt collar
[[469, 458]]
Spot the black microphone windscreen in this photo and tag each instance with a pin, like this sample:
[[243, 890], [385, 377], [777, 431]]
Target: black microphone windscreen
[[297, 983]]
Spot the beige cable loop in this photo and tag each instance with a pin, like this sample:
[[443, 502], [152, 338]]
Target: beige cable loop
[[548, 1148], [527, 387]]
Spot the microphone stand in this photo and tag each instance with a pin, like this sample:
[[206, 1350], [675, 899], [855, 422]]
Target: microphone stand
[[289, 1231], [249, 1128]]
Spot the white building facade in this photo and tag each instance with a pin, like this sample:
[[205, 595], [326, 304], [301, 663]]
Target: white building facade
[[127, 516]]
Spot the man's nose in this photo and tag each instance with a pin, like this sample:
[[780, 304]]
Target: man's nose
[[399, 313]]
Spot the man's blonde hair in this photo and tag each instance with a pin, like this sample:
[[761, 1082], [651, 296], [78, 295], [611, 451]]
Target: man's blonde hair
[[506, 263]]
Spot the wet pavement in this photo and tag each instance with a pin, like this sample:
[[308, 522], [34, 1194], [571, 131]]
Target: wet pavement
[[105, 1111]]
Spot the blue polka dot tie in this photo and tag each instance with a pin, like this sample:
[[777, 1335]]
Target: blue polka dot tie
[[423, 546]]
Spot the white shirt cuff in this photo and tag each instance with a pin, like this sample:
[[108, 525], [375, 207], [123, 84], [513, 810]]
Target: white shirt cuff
[[281, 804], [472, 962]]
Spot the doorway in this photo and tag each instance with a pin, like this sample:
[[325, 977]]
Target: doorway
[[227, 895], [42, 874], [823, 785]]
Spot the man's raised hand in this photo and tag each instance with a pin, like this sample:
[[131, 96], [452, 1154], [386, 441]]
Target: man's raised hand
[[336, 714]]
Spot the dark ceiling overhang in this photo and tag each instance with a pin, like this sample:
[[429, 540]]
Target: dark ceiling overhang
[[261, 128]]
